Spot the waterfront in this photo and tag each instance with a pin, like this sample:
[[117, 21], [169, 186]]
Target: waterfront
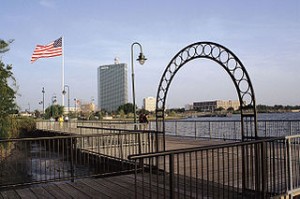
[[269, 125], [207, 171], [260, 116]]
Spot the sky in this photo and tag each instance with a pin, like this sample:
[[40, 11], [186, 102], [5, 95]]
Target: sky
[[263, 34]]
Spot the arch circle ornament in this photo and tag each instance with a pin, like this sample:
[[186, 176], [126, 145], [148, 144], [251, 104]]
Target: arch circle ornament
[[234, 68]]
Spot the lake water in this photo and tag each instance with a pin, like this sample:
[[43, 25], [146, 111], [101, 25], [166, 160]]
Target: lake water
[[260, 116], [269, 124]]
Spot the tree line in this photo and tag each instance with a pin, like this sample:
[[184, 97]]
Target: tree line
[[10, 125], [276, 108]]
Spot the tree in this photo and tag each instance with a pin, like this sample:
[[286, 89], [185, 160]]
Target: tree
[[37, 113], [121, 113], [230, 109], [54, 111], [219, 109], [127, 108], [4, 45], [8, 92], [143, 111]]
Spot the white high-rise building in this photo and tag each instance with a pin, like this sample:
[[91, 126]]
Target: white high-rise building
[[112, 86], [149, 104]]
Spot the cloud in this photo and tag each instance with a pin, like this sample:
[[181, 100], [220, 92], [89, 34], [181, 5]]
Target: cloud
[[47, 3]]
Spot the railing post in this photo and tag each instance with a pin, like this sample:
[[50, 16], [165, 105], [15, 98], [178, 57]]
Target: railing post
[[120, 143], [176, 128], [234, 130], [264, 168], [140, 142], [209, 130], [258, 170], [291, 127], [72, 160], [289, 165], [244, 163], [265, 128], [195, 130], [171, 180], [135, 178]]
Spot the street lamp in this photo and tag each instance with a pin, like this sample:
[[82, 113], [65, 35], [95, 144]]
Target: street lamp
[[53, 100], [64, 92], [43, 91], [75, 102], [141, 58]]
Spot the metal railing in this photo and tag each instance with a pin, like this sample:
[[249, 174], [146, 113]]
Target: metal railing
[[255, 169], [43, 159], [228, 129], [221, 129], [293, 165], [72, 127]]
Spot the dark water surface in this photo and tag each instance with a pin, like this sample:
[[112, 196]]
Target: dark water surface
[[269, 124], [260, 116]]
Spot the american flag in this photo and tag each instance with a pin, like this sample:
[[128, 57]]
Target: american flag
[[45, 51]]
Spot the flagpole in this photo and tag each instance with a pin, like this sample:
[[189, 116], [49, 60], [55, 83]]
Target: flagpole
[[63, 73]]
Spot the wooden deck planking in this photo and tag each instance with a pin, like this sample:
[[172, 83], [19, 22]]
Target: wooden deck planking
[[111, 187], [55, 191], [126, 181], [26, 193], [113, 190], [184, 142], [101, 188], [122, 192], [72, 191], [9, 194], [88, 190], [40, 192]]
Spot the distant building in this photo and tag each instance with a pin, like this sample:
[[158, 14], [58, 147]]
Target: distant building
[[112, 86], [88, 107], [72, 109], [80, 106], [26, 114], [213, 105], [149, 104], [188, 107]]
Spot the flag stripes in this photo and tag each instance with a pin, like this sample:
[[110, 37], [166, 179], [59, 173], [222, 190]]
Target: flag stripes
[[45, 51]]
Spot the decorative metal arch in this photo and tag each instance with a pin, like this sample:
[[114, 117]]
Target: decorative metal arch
[[233, 67]]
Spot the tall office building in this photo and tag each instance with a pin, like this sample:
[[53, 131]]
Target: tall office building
[[112, 86]]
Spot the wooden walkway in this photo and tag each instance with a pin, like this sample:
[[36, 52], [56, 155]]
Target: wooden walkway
[[122, 186], [110, 187]]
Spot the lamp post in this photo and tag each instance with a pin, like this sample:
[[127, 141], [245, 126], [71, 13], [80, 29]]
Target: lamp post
[[75, 102], [43, 91], [53, 100], [64, 92], [141, 58]]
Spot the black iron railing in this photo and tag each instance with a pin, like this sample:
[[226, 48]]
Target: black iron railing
[[43, 159], [228, 129], [255, 169], [293, 165], [220, 129], [71, 126]]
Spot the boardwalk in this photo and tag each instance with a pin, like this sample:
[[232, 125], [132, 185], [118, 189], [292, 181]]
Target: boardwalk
[[110, 187], [122, 186], [190, 168]]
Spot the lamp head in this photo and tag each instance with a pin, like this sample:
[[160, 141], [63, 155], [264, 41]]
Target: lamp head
[[141, 58]]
